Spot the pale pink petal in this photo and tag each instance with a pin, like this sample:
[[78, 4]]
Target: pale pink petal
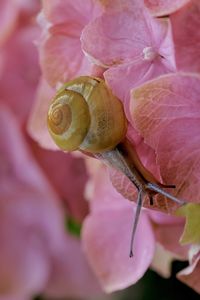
[[106, 237], [69, 181], [37, 122], [8, 18], [164, 219], [106, 241], [18, 166], [102, 195], [125, 37], [23, 253], [164, 7], [168, 235], [132, 44], [179, 159], [61, 56], [15, 298], [157, 103], [166, 113], [190, 275], [31, 218], [59, 11], [20, 76], [186, 36], [71, 275], [119, 5], [134, 74]]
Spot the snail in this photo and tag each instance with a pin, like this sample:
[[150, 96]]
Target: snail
[[84, 115]]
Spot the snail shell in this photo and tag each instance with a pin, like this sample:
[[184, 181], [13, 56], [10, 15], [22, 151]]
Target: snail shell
[[85, 115]]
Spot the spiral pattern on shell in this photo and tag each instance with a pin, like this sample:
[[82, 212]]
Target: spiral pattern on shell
[[85, 115]]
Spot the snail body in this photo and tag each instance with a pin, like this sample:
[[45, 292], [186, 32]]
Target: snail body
[[85, 115]]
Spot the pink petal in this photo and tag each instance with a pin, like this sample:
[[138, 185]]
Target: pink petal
[[20, 76], [160, 110], [179, 159], [8, 18], [186, 36], [164, 219], [31, 220], [37, 124], [24, 260], [134, 74], [69, 182], [106, 237], [164, 7], [18, 166], [106, 241], [119, 5], [71, 275], [16, 297], [157, 103], [59, 11], [190, 275], [121, 37], [61, 56], [168, 235]]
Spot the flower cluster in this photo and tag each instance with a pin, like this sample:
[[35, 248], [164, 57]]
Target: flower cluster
[[65, 219]]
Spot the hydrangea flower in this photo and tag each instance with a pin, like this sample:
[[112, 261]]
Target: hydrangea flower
[[152, 65]]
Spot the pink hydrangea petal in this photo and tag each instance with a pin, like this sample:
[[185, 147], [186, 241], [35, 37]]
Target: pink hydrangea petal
[[20, 77], [121, 37], [103, 196], [157, 103], [106, 236], [161, 109], [179, 159], [31, 218], [164, 7], [168, 235], [69, 182], [134, 74], [59, 11], [190, 275], [186, 36], [24, 260], [18, 166], [61, 56], [71, 275], [164, 219], [8, 18], [106, 241], [37, 124], [119, 5], [15, 297]]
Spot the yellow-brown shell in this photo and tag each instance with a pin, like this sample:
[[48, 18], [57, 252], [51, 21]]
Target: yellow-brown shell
[[85, 115]]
